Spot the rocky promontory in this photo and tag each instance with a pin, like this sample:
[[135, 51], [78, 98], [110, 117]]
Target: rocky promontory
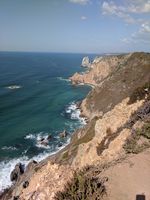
[[109, 157], [100, 69], [86, 62]]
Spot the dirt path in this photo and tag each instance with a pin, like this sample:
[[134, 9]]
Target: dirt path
[[130, 178]]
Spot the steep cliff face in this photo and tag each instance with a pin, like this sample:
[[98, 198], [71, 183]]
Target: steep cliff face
[[118, 111], [132, 73], [110, 108], [100, 68]]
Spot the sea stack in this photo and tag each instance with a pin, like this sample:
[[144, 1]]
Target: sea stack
[[85, 62]]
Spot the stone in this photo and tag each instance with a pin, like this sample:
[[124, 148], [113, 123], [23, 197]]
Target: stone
[[25, 184], [49, 137], [60, 145], [44, 143], [16, 198], [18, 170], [42, 139], [63, 134]]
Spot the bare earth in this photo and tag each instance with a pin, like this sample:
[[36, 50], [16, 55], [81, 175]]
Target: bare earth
[[129, 178]]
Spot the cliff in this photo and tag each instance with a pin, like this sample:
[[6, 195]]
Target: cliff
[[104, 157], [119, 83], [100, 68]]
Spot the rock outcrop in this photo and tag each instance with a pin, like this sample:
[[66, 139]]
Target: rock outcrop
[[100, 69], [85, 62], [17, 172], [63, 134]]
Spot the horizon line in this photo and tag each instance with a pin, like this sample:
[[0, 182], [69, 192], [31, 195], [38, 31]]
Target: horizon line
[[11, 51]]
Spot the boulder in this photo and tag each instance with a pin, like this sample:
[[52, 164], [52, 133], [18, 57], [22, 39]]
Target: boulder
[[60, 145], [16, 198], [42, 139], [44, 142], [49, 137], [25, 184], [18, 170], [63, 134]]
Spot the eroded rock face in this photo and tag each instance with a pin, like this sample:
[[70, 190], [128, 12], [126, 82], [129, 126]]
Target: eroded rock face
[[46, 182], [107, 143]]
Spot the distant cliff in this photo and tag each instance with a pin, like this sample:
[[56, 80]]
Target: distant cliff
[[100, 68]]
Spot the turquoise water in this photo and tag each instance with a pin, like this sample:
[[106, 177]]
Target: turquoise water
[[36, 99]]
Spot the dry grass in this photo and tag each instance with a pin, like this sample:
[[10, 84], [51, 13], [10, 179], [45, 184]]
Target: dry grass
[[140, 93], [83, 186]]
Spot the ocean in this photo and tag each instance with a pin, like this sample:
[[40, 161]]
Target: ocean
[[37, 100]]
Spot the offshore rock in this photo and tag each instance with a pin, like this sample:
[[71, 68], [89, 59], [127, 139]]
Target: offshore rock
[[18, 170], [63, 134], [85, 62]]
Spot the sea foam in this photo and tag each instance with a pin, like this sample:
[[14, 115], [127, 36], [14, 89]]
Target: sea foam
[[14, 87], [7, 166], [63, 79], [9, 148], [75, 113]]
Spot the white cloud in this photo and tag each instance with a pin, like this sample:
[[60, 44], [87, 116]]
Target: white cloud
[[145, 27], [139, 6], [112, 9], [129, 11], [124, 11], [133, 6], [143, 34], [125, 40], [81, 2], [83, 18]]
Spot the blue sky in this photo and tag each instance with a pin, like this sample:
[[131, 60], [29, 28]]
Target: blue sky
[[89, 26]]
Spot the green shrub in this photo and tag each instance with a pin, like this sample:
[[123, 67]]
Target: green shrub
[[145, 131], [139, 93], [132, 146], [82, 187]]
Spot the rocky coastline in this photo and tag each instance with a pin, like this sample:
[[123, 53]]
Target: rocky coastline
[[118, 113]]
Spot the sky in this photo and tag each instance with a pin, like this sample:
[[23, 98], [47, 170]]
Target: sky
[[75, 26]]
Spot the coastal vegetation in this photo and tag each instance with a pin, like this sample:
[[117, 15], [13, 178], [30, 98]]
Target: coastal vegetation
[[85, 185]]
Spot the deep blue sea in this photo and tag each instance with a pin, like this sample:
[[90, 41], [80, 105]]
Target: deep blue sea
[[36, 100]]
